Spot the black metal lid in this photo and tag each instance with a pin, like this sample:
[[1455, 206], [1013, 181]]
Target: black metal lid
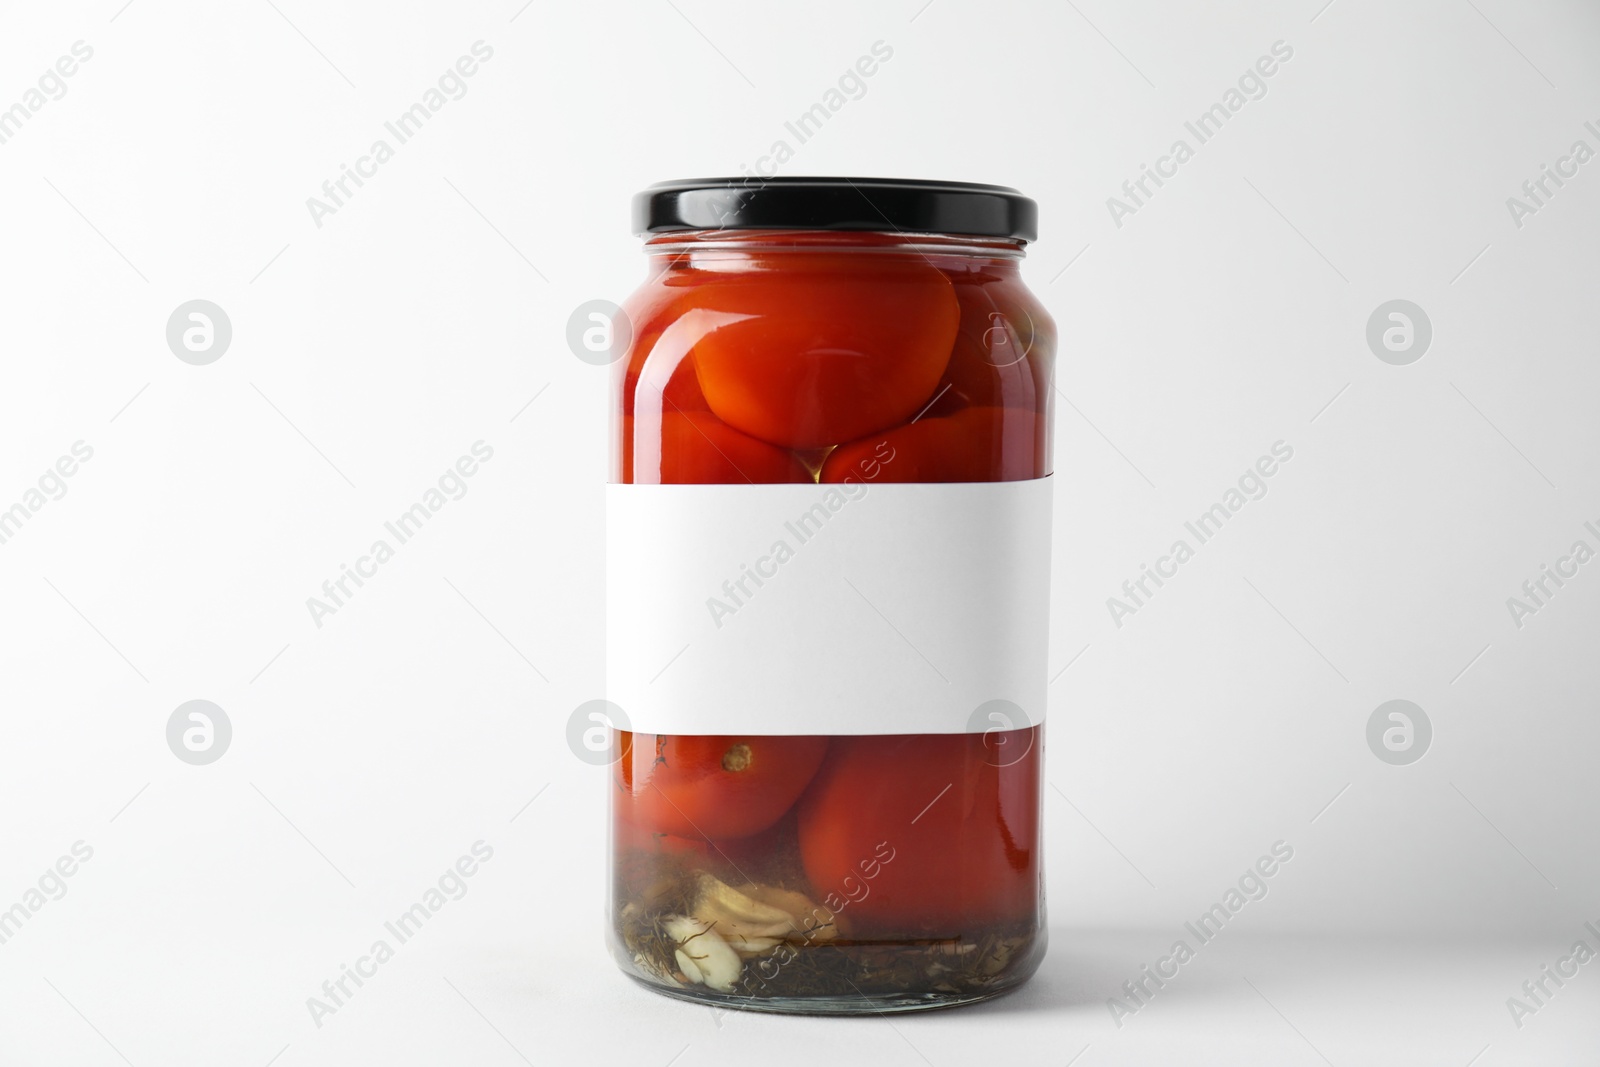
[[883, 204]]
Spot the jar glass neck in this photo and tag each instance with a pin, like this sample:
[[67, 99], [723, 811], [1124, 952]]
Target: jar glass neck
[[699, 245]]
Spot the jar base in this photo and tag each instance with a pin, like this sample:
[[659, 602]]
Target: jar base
[[854, 1004]]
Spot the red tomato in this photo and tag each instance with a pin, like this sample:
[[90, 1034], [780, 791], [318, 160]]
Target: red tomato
[[660, 385], [821, 348], [923, 834], [657, 374], [972, 445], [697, 448], [714, 788], [1004, 348]]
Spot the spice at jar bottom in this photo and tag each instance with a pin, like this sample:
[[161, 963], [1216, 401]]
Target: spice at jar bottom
[[828, 548]]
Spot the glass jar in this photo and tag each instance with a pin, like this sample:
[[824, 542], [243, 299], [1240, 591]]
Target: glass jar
[[828, 575]]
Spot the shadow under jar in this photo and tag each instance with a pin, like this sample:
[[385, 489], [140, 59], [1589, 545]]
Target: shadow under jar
[[828, 575]]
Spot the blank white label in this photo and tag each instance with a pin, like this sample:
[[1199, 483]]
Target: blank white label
[[827, 609]]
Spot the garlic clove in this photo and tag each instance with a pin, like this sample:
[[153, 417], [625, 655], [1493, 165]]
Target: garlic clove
[[688, 967], [749, 947], [758, 917], [717, 899], [706, 959], [812, 922]]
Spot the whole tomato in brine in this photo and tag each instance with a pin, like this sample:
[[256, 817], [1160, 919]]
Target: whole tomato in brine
[[926, 835], [971, 445], [714, 788], [815, 348], [656, 373], [697, 448], [1004, 349]]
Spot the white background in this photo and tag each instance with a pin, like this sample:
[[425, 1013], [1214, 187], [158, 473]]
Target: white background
[[369, 353]]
